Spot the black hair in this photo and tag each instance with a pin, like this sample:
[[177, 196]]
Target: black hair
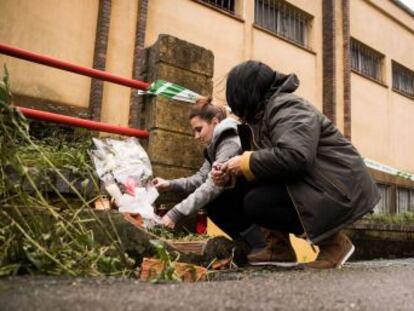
[[204, 109], [246, 88]]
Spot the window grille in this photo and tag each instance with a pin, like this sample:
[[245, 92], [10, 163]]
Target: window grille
[[405, 200], [226, 5], [366, 60], [383, 206], [283, 19], [402, 79]]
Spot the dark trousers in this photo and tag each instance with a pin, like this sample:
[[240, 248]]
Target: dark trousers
[[270, 206], [226, 211]]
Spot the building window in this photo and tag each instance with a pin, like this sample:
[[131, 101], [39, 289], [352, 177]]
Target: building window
[[405, 200], [384, 205], [225, 5], [366, 61], [402, 79], [283, 19]]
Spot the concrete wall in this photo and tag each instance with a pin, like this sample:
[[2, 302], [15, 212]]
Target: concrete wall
[[289, 58], [280, 55], [382, 120], [66, 30], [233, 40], [62, 29], [202, 26]]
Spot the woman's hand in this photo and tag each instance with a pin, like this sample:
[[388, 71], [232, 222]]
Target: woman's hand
[[167, 222], [232, 166], [161, 184], [219, 177]]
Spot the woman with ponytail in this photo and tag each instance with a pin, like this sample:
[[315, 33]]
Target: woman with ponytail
[[220, 139]]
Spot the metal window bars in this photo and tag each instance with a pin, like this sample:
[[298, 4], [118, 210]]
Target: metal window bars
[[405, 200], [366, 60], [225, 5], [384, 205], [402, 79], [283, 19]]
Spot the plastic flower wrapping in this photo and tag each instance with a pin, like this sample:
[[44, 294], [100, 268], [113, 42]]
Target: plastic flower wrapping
[[125, 170]]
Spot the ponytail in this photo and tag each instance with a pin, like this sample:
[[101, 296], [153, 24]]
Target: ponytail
[[204, 109]]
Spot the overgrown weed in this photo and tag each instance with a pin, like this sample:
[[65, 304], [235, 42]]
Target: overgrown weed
[[37, 235]]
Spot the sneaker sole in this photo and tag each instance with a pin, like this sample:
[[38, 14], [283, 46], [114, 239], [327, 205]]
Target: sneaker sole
[[273, 263], [346, 257]]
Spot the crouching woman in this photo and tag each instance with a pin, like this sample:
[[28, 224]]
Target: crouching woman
[[309, 179], [220, 139]]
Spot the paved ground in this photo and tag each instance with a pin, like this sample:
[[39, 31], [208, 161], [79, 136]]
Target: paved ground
[[375, 285]]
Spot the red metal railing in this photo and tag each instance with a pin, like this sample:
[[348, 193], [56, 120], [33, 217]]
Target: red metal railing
[[93, 125], [60, 64], [82, 70]]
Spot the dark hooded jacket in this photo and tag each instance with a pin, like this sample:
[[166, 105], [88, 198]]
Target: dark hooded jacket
[[325, 176]]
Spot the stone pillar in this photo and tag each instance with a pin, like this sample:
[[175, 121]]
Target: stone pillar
[[171, 146], [99, 59], [135, 102], [347, 67], [337, 64], [329, 59]]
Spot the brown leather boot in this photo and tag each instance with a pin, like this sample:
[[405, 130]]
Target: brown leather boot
[[333, 252], [278, 251]]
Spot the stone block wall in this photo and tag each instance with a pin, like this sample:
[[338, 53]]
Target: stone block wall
[[172, 149]]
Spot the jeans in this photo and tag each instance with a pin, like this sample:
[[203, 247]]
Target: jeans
[[226, 211], [270, 206]]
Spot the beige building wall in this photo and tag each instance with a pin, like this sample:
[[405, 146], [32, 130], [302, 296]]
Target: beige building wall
[[233, 40], [382, 120], [288, 58], [119, 61], [193, 22], [62, 29]]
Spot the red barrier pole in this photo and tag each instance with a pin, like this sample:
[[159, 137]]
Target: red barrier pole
[[60, 64], [93, 125]]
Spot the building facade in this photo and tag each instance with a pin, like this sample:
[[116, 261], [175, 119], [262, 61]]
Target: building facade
[[354, 59]]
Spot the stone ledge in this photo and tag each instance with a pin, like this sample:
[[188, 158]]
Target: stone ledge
[[382, 227], [44, 178], [373, 241], [51, 106]]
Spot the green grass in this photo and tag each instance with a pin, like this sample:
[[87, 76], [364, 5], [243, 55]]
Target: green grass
[[182, 235], [37, 235], [59, 149]]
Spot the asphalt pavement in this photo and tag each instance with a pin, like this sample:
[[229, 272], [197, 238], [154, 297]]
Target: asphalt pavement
[[373, 285]]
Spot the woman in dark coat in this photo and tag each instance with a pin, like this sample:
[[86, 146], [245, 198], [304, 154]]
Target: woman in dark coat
[[307, 178]]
